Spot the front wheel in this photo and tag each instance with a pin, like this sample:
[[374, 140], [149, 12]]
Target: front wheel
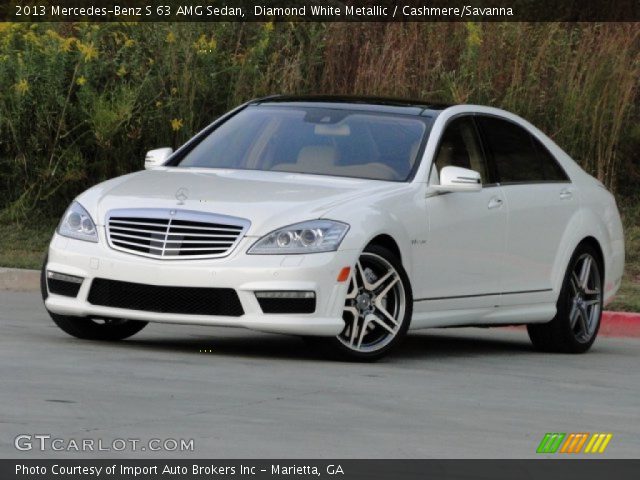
[[89, 328], [377, 309], [579, 308]]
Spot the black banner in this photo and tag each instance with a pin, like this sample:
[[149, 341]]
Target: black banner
[[543, 469], [320, 10]]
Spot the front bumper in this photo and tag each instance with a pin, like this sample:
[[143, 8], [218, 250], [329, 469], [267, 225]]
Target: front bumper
[[246, 274]]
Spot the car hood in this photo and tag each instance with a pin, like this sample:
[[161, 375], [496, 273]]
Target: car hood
[[268, 199]]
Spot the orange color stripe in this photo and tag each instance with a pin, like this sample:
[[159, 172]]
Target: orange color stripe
[[576, 439], [569, 439], [581, 443]]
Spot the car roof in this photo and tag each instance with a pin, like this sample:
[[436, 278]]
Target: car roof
[[380, 104]]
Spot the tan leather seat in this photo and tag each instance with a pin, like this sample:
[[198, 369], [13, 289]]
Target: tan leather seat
[[312, 159]]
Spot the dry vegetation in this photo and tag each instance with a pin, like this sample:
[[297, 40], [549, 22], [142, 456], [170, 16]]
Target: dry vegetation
[[80, 103]]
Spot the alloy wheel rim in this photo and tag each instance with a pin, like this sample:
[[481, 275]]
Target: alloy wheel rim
[[375, 305], [586, 298]]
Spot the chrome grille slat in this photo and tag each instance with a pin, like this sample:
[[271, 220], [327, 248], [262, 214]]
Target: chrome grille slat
[[124, 224], [138, 245], [195, 249], [204, 234], [127, 235], [161, 232], [173, 234], [221, 229], [201, 242]]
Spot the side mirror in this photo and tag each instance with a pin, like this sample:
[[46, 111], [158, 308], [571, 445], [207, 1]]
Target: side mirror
[[157, 157], [457, 179]]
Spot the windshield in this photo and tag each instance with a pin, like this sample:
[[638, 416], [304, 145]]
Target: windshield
[[345, 143]]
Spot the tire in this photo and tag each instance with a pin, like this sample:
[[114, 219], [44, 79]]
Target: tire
[[89, 328], [579, 308], [377, 311]]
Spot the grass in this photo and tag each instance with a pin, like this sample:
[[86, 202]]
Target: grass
[[628, 297], [25, 247]]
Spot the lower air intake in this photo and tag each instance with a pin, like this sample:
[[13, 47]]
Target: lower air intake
[[163, 299]]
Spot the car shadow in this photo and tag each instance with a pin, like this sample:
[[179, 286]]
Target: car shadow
[[446, 343], [421, 345], [268, 346]]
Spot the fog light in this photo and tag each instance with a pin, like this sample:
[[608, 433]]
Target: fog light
[[285, 294], [64, 278], [62, 284], [286, 301]]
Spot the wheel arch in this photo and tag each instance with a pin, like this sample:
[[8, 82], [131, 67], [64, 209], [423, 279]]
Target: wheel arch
[[584, 228], [387, 241], [595, 244]]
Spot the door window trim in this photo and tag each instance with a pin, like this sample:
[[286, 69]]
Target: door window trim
[[491, 172]]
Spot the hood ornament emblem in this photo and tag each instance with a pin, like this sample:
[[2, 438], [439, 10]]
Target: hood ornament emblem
[[182, 194]]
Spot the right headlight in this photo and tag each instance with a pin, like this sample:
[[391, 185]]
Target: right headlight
[[77, 223], [313, 236]]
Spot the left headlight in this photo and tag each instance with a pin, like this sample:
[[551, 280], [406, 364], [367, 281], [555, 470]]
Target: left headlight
[[77, 223], [307, 237]]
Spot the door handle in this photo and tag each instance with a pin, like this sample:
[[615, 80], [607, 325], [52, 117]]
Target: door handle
[[495, 202], [565, 194]]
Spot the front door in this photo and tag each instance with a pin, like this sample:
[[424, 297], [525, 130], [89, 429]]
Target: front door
[[461, 263]]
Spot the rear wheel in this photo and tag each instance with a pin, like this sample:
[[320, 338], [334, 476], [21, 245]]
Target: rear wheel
[[377, 309], [89, 328], [579, 308]]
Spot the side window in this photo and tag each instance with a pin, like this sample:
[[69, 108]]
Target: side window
[[514, 154], [460, 147], [552, 170]]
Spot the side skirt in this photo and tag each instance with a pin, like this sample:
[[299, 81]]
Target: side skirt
[[483, 316]]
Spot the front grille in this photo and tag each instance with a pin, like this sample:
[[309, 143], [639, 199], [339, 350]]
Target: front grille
[[61, 287], [287, 305], [163, 299], [173, 234]]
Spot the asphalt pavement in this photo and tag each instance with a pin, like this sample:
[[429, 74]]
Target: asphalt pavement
[[448, 393]]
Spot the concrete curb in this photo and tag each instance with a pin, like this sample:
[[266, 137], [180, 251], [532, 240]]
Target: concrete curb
[[614, 324], [620, 324], [19, 279]]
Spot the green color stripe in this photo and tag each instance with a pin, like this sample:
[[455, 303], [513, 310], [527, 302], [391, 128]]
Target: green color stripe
[[550, 442], [543, 443]]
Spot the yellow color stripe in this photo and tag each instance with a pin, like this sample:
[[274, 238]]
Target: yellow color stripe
[[596, 445], [607, 439], [591, 442]]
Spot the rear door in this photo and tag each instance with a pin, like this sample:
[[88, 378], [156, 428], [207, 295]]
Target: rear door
[[540, 201]]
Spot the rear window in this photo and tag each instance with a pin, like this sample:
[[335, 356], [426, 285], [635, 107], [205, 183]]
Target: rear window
[[518, 156]]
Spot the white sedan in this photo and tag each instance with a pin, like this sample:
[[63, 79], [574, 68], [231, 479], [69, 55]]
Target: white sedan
[[347, 221]]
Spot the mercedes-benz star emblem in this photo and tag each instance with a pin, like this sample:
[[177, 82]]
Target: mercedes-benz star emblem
[[182, 194]]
